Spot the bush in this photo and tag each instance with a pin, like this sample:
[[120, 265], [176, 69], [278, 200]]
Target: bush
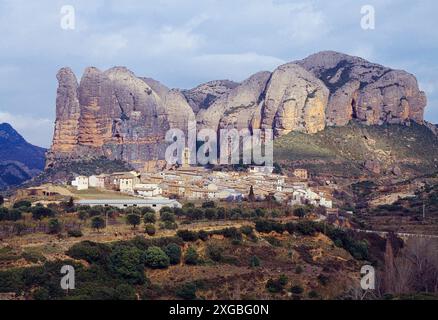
[[167, 216], [191, 256], [169, 225], [214, 252], [208, 204], [22, 204], [39, 212], [149, 217], [54, 226], [150, 229], [133, 220], [313, 294], [296, 289], [128, 263], [274, 286], [98, 223], [145, 210], [323, 279], [299, 212], [187, 291], [10, 215], [83, 215], [203, 235], [156, 258], [75, 233], [299, 270], [254, 262], [166, 209], [246, 230], [187, 235], [89, 251], [173, 251]]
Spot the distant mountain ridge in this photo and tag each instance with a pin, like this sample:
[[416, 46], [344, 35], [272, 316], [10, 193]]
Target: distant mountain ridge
[[19, 160]]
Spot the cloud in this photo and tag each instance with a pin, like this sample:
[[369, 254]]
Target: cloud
[[37, 131]]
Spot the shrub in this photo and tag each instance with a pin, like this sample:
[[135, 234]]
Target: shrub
[[210, 214], [167, 216], [214, 252], [89, 251], [208, 204], [173, 251], [299, 212], [299, 270], [83, 215], [145, 210], [254, 262], [246, 230], [98, 223], [296, 289], [149, 217], [191, 256], [22, 204], [39, 212], [75, 233], [313, 294], [323, 279], [203, 235], [187, 235], [274, 286], [187, 291], [169, 225], [156, 258], [127, 262], [150, 229], [54, 226], [165, 209], [10, 215], [133, 220]]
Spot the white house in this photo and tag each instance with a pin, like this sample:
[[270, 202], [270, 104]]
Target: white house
[[97, 181], [155, 204], [148, 189], [80, 182]]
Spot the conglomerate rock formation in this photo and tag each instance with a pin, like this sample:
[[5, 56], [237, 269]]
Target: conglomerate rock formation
[[116, 114]]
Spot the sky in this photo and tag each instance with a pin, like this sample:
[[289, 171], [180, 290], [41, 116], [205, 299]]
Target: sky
[[185, 43]]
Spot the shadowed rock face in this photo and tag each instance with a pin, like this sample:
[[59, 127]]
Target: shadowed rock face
[[366, 91], [121, 116]]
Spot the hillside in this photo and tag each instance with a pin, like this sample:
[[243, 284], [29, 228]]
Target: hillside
[[19, 160], [356, 149]]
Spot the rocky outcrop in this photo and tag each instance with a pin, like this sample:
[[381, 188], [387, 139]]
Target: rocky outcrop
[[294, 101], [366, 91], [204, 95], [118, 115], [239, 108]]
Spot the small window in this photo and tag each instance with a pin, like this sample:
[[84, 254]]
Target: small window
[[125, 205], [154, 205]]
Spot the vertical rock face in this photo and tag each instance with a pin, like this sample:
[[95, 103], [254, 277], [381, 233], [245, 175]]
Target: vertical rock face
[[68, 112], [294, 101], [366, 91], [115, 114]]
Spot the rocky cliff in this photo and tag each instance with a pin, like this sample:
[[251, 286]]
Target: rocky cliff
[[121, 116]]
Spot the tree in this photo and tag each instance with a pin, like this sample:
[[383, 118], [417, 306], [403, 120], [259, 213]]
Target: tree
[[251, 196], [39, 212], [145, 210], [149, 217], [22, 204], [214, 252], [191, 256], [208, 204], [98, 223], [277, 169], [127, 262], [54, 226], [167, 216], [187, 291], [133, 220], [150, 229], [173, 251], [2, 200], [299, 212], [83, 215], [156, 258]]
